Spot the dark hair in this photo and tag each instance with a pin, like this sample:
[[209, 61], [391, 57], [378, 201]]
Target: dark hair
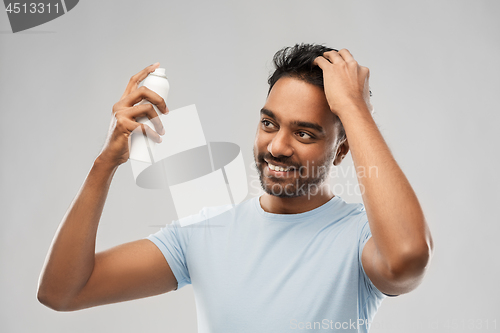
[[297, 62]]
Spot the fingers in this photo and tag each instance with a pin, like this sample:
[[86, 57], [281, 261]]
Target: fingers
[[321, 62], [365, 70], [333, 57], [128, 113], [146, 130], [126, 125], [137, 78], [144, 93], [346, 55], [146, 110]]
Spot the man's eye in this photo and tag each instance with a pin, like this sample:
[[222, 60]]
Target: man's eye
[[304, 135], [266, 123]]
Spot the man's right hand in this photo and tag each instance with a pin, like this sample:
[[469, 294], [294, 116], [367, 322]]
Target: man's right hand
[[123, 122], [74, 276]]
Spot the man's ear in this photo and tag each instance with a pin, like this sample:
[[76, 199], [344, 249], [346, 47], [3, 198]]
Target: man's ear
[[342, 150]]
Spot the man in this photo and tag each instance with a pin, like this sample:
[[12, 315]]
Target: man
[[298, 257]]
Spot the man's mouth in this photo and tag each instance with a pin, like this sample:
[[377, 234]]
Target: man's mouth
[[280, 168]]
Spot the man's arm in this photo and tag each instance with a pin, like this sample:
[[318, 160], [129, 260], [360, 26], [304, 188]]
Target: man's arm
[[396, 256], [74, 276]]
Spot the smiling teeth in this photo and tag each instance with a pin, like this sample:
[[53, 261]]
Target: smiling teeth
[[278, 168]]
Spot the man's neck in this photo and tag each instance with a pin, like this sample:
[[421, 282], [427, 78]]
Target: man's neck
[[296, 205]]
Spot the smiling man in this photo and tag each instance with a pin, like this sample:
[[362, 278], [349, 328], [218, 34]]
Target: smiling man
[[296, 144], [297, 257]]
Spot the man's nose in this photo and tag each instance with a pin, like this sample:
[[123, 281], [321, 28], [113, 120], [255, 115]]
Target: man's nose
[[280, 145]]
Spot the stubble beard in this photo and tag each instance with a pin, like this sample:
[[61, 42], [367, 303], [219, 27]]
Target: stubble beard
[[306, 180]]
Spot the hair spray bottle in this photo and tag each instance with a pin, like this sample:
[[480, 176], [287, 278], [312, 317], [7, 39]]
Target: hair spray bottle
[[142, 148]]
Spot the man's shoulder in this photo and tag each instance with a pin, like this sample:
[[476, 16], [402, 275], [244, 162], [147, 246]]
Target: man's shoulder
[[344, 209]]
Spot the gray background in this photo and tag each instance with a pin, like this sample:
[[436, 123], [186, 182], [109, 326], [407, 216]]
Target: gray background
[[435, 78]]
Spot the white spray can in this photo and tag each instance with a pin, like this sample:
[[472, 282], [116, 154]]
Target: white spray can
[[142, 148]]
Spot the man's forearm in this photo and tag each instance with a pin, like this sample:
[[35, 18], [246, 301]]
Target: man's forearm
[[397, 222], [70, 259]]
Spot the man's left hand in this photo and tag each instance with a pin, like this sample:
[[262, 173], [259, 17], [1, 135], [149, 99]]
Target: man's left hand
[[346, 82]]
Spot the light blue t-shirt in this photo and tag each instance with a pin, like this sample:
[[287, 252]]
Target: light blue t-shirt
[[254, 271]]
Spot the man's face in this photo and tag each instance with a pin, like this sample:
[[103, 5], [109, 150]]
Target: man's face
[[296, 132]]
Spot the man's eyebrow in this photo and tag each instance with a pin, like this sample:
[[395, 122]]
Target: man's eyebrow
[[306, 124], [318, 128], [268, 113]]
